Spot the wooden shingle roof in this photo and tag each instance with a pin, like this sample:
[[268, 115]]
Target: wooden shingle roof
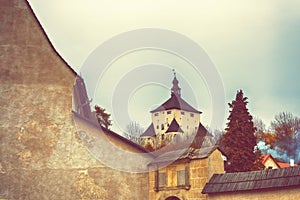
[[190, 153], [256, 180]]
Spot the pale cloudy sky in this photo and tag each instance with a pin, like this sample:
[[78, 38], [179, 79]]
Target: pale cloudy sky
[[255, 46]]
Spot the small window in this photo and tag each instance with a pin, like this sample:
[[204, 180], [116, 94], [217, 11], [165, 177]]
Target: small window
[[162, 136], [187, 127], [162, 179], [182, 113], [181, 177], [192, 114], [157, 127], [156, 114], [162, 127], [169, 112]]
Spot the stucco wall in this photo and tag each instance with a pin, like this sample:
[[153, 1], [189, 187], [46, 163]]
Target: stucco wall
[[278, 194], [41, 156], [270, 163]]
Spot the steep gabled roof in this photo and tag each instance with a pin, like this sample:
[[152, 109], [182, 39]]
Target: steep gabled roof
[[255, 180], [149, 132], [174, 127], [199, 137], [176, 102]]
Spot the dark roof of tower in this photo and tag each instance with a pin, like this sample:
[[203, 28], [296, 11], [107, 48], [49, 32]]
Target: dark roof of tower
[[149, 132], [200, 136], [174, 127], [176, 102]]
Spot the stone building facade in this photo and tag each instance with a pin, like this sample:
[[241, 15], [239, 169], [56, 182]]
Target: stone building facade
[[185, 178]]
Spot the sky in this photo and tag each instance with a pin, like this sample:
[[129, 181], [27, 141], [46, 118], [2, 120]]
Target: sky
[[253, 45]]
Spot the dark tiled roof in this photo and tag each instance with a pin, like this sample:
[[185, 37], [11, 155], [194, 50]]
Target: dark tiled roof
[[149, 132], [199, 137], [175, 102], [256, 180], [174, 127]]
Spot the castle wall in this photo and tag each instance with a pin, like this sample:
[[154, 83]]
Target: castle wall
[[41, 155]]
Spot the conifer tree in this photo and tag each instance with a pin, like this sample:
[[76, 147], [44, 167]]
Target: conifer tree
[[239, 141], [103, 117]]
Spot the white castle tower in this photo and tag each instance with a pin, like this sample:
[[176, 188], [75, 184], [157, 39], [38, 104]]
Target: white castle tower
[[173, 117]]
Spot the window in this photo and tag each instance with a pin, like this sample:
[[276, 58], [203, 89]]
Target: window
[[156, 114], [162, 136], [192, 114], [162, 179], [182, 113], [181, 177], [157, 127], [169, 112], [162, 127]]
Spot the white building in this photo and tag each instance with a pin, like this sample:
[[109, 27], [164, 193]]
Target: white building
[[173, 117]]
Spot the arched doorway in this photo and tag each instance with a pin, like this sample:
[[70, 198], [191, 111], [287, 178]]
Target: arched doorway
[[172, 198]]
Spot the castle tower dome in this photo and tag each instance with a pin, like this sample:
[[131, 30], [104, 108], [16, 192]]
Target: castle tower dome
[[175, 90]]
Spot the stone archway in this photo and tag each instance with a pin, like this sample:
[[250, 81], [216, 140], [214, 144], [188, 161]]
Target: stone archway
[[172, 198]]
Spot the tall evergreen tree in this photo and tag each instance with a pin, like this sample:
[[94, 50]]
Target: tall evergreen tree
[[103, 117], [239, 141]]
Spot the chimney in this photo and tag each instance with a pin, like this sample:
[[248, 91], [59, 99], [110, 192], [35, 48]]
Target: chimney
[[292, 162]]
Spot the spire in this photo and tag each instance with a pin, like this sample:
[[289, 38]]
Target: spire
[[175, 90]]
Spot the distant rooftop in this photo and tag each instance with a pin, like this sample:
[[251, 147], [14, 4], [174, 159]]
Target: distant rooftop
[[175, 101]]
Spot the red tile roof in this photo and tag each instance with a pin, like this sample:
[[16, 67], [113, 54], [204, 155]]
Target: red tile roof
[[279, 164]]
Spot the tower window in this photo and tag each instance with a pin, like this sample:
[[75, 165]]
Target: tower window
[[169, 112], [192, 114], [162, 127], [182, 113], [156, 114], [157, 127]]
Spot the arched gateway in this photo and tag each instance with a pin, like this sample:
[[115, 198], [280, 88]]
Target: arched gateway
[[172, 198]]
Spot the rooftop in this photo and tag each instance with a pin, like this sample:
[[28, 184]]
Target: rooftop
[[255, 180], [176, 102]]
